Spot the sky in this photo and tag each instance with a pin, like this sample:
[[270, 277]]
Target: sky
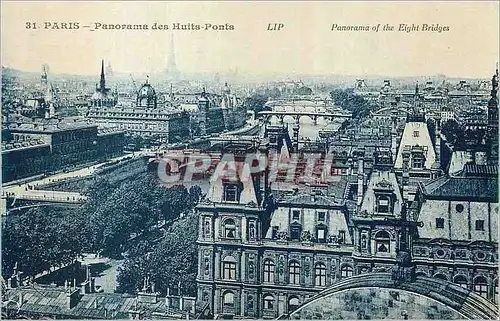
[[305, 45]]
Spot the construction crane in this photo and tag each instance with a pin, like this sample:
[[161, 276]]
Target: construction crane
[[133, 83]]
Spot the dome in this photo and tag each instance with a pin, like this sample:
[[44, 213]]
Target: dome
[[146, 91], [146, 96]]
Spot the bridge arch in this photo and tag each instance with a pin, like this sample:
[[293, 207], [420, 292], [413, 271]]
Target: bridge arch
[[376, 296]]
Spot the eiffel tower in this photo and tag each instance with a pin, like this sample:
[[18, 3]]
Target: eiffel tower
[[172, 71]]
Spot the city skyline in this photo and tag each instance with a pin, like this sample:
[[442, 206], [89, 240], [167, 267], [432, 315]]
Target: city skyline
[[305, 46]]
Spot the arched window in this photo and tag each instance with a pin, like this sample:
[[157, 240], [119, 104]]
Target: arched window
[[320, 274], [269, 268], [294, 272], [461, 281], [346, 271], [228, 299], [268, 302], [440, 276], [382, 242], [293, 304], [229, 268], [481, 286], [229, 228]]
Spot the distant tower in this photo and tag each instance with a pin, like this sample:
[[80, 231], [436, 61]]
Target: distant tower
[[172, 71], [44, 76], [102, 82], [492, 132], [50, 100]]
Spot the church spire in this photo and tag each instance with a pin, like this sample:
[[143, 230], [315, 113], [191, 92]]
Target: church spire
[[103, 79]]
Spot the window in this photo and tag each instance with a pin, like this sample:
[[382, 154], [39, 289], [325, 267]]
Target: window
[[269, 271], [321, 216], [294, 272], [382, 242], [341, 239], [320, 274], [229, 299], [418, 161], [268, 302], [229, 228], [229, 269], [416, 133], [440, 276], [481, 286], [275, 232], [321, 232], [295, 232], [346, 271], [479, 225], [459, 208], [296, 215], [293, 304], [439, 222], [231, 193], [383, 204], [461, 281]]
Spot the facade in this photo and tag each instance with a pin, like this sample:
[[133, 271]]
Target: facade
[[458, 241], [39, 146], [145, 118], [263, 253]]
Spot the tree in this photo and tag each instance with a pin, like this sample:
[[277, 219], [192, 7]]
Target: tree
[[453, 132], [347, 99], [256, 102], [170, 261], [41, 238]]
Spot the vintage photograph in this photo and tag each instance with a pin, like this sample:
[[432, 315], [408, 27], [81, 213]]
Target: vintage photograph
[[249, 160]]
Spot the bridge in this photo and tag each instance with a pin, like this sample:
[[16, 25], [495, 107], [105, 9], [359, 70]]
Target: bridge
[[297, 114]]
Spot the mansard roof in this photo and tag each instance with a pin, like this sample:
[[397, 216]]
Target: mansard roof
[[305, 200], [462, 188]]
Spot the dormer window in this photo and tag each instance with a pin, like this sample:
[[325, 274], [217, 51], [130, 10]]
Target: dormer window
[[321, 232], [418, 162], [231, 193], [384, 204]]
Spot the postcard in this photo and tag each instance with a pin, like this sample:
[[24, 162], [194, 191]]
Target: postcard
[[249, 160]]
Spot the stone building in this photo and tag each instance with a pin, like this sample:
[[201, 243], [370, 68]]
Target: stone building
[[264, 253], [145, 118], [38, 146], [458, 241]]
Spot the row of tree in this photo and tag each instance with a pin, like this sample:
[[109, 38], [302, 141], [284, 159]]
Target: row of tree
[[45, 237], [347, 99]]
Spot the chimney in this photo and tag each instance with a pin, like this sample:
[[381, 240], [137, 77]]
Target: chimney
[[360, 182], [20, 299], [72, 298]]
